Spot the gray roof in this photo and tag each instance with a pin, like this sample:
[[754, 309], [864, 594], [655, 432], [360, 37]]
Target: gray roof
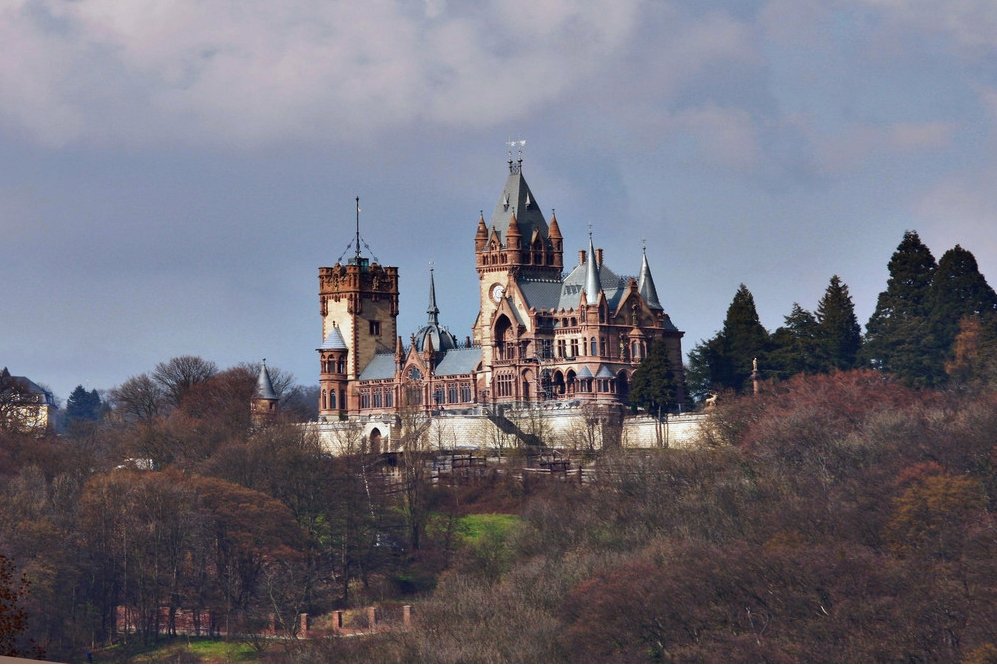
[[459, 361], [567, 293], [592, 283], [517, 198], [264, 387], [604, 373], [645, 285], [441, 338], [382, 366], [334, 340], [584, 373]]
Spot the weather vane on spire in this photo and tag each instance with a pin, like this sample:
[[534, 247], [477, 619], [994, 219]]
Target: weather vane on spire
[[520, 144]]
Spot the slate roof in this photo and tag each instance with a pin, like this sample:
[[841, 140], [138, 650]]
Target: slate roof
[[459, 361], [517, 198], [382, 366], [334, 340], [567, 293], [264, 387]]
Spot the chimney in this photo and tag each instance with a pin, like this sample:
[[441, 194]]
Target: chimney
[[581, 257], [598, 257]]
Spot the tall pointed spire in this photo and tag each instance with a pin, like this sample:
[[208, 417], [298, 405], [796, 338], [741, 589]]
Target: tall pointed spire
[[645, 284], [593, 285], [264, 386], [432, 311]]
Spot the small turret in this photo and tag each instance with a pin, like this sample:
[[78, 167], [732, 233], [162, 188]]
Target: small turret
[[593, 285], [645, 285], [263, 407]]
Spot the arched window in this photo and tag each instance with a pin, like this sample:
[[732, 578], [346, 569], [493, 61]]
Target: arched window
[[325, 400], [332, 400], [593, 347], [341, 365]]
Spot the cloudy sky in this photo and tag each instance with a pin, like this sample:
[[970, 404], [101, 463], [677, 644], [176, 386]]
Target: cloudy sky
[[172, 174]]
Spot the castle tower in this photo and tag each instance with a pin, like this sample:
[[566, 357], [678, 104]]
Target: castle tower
[[360, 300], [263, 408], [518, 244], [333, 356]]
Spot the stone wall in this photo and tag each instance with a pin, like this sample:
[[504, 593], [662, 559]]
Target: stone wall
[[559, 428]]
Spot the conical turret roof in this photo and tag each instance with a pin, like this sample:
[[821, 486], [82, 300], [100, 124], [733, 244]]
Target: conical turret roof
[[264, 387], [334, 340], [645, 285], [592, 283]]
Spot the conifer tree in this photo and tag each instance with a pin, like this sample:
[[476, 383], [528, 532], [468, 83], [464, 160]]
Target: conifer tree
[[655, 384], [83, 405], [899, 337], [838, 332], [958, 290], [726, 359], [795, 345]]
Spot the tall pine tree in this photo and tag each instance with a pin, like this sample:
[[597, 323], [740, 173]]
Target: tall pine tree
[[958, 290], [839, 335], [794, 345], [655, 384], [725, 361], [899, 337]]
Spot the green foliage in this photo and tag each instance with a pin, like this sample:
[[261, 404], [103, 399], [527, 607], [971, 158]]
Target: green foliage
[[795, 346], [83, 406], [725, 361], [958, 290], [654, 384], [900, 337], [839, 336]]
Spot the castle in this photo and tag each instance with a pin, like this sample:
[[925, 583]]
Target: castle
[[545, 335]]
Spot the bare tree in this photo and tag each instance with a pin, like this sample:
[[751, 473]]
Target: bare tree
[[138, 398], [180, 373]]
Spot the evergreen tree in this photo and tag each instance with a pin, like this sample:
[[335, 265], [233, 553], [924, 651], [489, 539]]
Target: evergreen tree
[[839, 335], [899, 337], [725, 361], [958, 290], [795, 345], [655, 384], [744, 339], [83, 405]]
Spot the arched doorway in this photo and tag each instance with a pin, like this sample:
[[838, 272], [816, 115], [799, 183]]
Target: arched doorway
[[375, 441], [623, 386], [503, 337]]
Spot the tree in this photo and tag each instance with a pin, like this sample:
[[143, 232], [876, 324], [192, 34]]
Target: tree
[[13, 618], [839, 335], [727, 358], [958, 290], [654, 385], [139, 398], [180, 373], [974, 353], [899, 336], [83, 405], [795, 345]]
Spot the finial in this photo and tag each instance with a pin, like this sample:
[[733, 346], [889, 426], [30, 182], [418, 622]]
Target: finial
[[520, 144], [643, 244], [590, 233]]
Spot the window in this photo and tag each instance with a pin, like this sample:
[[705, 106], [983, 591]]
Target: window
[[375, 327], [325, 403], [378, 397], [503, 386], [332, 400], [465, 392], [341, 365], [562, 349], [451, 393], [574, 347], [364, 398]]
